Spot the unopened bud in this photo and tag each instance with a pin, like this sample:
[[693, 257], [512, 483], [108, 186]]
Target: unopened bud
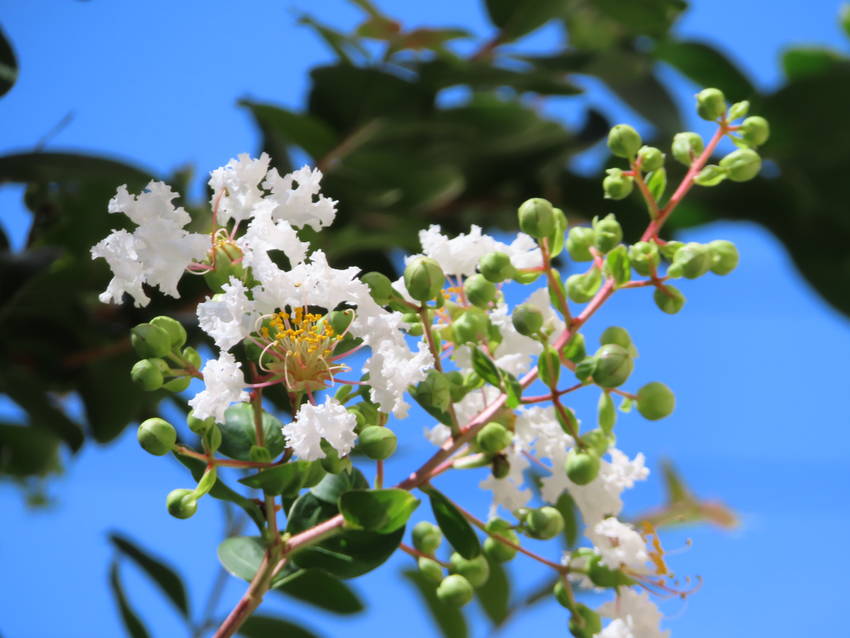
[[475, 570], [724, 256], [613, 366], [527, 320], [603, 576], [156, 436], [424, 279], [616, 185], [150, 341], [495, 549], [226, 262], [192, 357], [430, 569], [584, 623], [426, 537], [607, 232], [579, 241], [686, 147], [199, 426], [496, 267], [755, 130], [178, 384], [455, 590], [471, 326], [651, 159], [655, 401], [148, 373], [644, 257], [711, 104], [536, 217], [544, 523], [479, 290], [175, 330], [741, 165], [582, 287], [493, 437], [668, 299], [692, 261], [378, 442], [624, 141], [380, 287], [581, 466], [181, 503]]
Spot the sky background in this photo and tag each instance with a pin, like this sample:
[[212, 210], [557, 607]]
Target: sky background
[[757, 360]]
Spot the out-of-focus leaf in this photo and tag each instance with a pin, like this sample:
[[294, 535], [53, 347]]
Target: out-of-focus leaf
[[442, 73], [134, 625], [322, 590], [341, 44], [332, 486], [53, 167], [567, 507], [8, 64], [495, 594], [27, 450], [241, 555], [516, 19], [454, 526], [423, 38], [800, 62], [382, 511], [449, 620], [707, 67], [286, 127], [259, 626], [287, 478], [645, 17], [159, 572], [109, 413]]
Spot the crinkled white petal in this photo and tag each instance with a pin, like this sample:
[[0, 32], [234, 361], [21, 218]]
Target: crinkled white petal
[[236, 187], [475, 402], [224, 384], [265, 234], [635, 616], [459, 255], [514, 353], [438, 434], [619, 544], [329, 421], [392, 368], [298, 200], [229, 317], [119, 249]]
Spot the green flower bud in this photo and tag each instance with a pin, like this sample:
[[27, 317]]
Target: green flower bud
[[710, 175], [607, 232], [339, 320], [175, 330], [500, 466], [711, 104], [651, 159], [692, 260], [549, 366], [668, 299], [150, 341], [616, 185], [603, 576], [148, 374], [655, 401], [755, 130], [479, 290], [199, 426], [493, 437], [455, 590], [617, 335], [192, 357], [741, 165], [560, 594], [471, 326], [177, 385], [496, 550], [378, 442], [527, 320], [331, 461], [536, 217], [581, 466], [624, 141], [644, 257], [579, 241], [380, 287], [544, 523], [181, 503], [584, 623], [669, 250], [739, 110], [724, 256], [613, 366], [156, 436], [424, 279], [582, 287], [496, 267], [430, 569], [686, 147], [426, 537], [475, 570], [574, 349], [226, 263], [598, 441], [584, 369]]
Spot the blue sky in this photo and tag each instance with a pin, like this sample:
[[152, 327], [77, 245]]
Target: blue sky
[[757, 359]]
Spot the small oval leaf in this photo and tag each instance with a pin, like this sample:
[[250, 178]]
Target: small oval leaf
[[455, 527], [381, 511]]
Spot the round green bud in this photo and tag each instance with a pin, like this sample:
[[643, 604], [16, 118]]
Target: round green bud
[[544, 523], [579, 241], [584, 623], [582, 287], [148, 374], [475, 570], [181, 503], [560, 594], [150, 341], [616, 185], [669, 250], [598, 441], [378, 442], [479, 290], [607, 233], [339, 320], [617, 335], [686, 147], [692, 260], [655, 401], [496, 267], [178, 384], [430, 569], [527, 320], [424, 279], [536, 217], [157, 436], [471, 326], [380, 287], [741, 165], [500, 466], [493, 437], [755, 130], [175, 330], [581, 466], [668, 299], [613, 366], [192, 357], [332, 462], [603, 576], [226, 263], [724, 256], [644, 256], [624, 141], [426, 537], [651, 158], [711, 104], [496, 550], [199, 426], [455, 590]]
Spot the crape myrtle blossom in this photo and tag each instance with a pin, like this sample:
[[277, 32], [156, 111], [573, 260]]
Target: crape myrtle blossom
[[312, 423], [634, 616], [224, 383], [461, 254]]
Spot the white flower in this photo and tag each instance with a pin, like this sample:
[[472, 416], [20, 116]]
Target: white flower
[[438, 434], [635, 616], [329, 421], [158, 250], [229, 317], [235, 187], [265, 234], [619, 544], [538, 432], [461, 254], [224, 383], [298, 200], [392, 368]]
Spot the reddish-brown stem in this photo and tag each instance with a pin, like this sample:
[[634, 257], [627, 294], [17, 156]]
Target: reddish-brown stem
[[548, 397], [407, 549], [554, 284], [651, 204], [185, 451], [379, 474]]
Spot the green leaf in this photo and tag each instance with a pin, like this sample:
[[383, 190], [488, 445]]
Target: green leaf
[[322, 590], [516, 19], [343, 45], [287, 478], [647, 17], [445, 72], [617, 265], [567, 507], [285, 127], [513, 390], [454, 525], [710, 175], [382, 511], [8, 64], [268, 627], [56, 167], [606, 414], [656, 182], [159, 572], [495, 594], [332, 486], [134, 625], [434, 395], [449, 620], [27, 450], [707, 67], [238, 433], [27, 392], [485, 368], [801, 62], [350, 553], [241, 555]]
